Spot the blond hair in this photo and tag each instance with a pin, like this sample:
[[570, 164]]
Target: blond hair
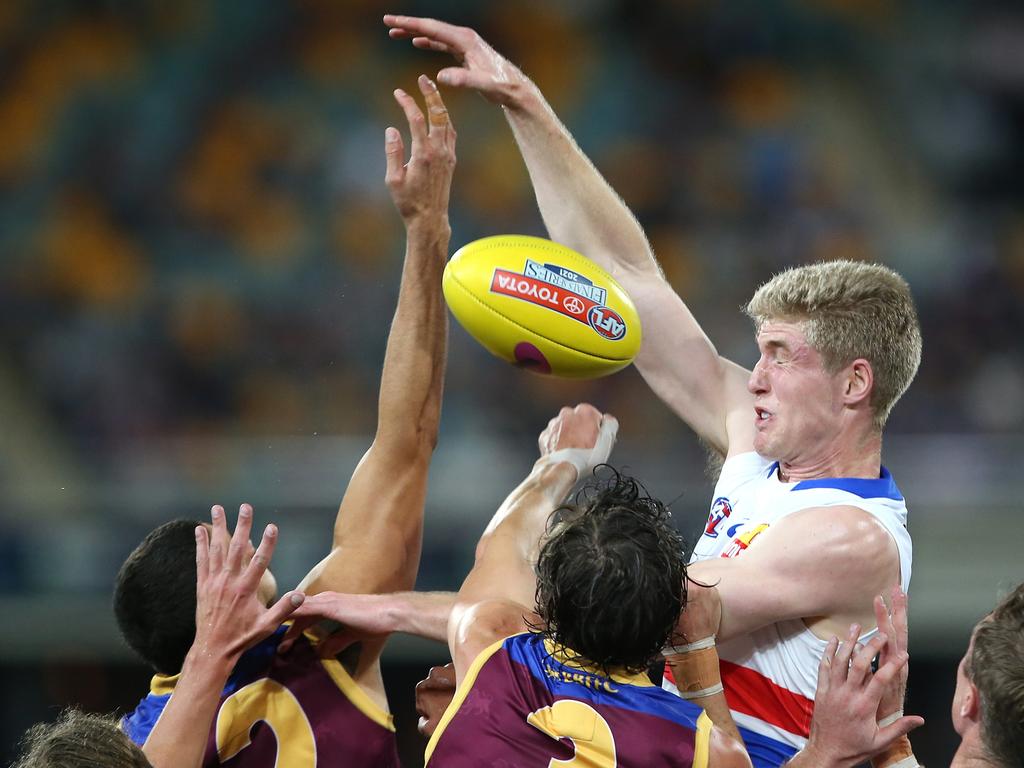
[[850, 310]]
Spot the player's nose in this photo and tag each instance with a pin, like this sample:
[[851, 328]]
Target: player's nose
[[757, 383]]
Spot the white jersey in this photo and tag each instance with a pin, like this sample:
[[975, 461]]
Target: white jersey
[[770, 675]]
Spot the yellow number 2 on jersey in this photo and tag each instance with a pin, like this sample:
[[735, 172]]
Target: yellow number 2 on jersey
[[584, 726], [268, 701]]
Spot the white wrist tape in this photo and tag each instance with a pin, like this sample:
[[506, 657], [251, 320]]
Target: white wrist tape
[[906, 762], [699, 645], [705, 692], [890, 719], [585, 459]]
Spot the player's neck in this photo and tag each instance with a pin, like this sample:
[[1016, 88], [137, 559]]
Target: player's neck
[[846, 456], [972, 754]]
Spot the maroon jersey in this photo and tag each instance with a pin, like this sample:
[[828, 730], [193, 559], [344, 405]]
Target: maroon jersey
[[294, 710], [523, 704]]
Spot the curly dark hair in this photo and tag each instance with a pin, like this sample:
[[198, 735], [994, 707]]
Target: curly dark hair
[[155, 596], [611, 576]]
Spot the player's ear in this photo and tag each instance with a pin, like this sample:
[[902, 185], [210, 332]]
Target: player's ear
[[970, 707], [858, 382]]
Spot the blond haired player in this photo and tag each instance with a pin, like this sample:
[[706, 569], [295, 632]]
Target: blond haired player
[[806, 526]]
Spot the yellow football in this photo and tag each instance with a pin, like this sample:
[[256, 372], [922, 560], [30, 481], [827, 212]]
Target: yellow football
[[542, 306]]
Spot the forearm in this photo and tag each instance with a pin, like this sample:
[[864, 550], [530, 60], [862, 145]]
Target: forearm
[[579, 208], [412, 379], [178, 740], [505, 555], [424, 614]]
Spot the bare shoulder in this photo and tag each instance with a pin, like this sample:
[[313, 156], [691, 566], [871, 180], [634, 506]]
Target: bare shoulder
[[475, 626], [839, 531], [726, 752]]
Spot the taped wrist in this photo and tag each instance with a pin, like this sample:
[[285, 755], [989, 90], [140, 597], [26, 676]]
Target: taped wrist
[[585, 459], [899, 755], [695, 668]]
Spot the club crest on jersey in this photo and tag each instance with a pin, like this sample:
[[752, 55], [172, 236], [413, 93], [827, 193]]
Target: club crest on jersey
[[721, 508], [564, 291]]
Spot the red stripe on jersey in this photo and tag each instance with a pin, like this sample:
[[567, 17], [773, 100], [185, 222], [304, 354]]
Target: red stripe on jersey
[[751, 693]]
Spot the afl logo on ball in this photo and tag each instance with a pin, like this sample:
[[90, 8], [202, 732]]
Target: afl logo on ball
[[607, 322]]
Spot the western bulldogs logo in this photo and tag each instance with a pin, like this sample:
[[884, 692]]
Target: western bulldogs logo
[[720, 510]]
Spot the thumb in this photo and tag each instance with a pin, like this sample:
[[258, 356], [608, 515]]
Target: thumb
[[282, 609], [394, 153], [886, 736], [460, 77]]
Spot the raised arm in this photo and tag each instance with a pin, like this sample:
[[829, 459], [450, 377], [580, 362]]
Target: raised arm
[[499, 592], [378, 530], [582, 211]]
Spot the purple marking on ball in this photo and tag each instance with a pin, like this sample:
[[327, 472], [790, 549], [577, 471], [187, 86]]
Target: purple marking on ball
[[528, 356]]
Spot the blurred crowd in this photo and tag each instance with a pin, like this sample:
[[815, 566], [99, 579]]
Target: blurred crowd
[[197, 240], [197, 243]]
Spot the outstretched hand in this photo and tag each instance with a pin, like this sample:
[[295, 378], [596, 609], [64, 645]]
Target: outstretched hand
[[581, 436], [481, 68], [893, 625], [421, 187], [845, 731], [360, 616], [230, 616]]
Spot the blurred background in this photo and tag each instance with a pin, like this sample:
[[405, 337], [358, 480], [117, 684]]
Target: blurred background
[[199, 260]]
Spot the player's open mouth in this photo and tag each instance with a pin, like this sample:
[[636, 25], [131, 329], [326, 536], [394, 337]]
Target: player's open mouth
[[761, 415]]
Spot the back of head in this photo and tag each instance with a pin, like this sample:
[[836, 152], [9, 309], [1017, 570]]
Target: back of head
[[996, 667], [850, 310], [79, 740], [611, 576], [155, 596]]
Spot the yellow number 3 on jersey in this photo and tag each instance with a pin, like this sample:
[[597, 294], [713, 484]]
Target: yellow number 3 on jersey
[[584, 726], [271, 702]]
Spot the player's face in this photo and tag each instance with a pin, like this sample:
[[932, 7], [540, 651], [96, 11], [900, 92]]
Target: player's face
[[797, 404], [267, 590]]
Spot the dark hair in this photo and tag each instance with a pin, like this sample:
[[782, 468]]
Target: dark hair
[[996, 667], [611, 576], [79, 740], [155, 596]]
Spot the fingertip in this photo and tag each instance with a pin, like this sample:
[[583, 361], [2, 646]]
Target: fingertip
[[297, 599], [391, 135], [271, 531], [216, 511], [245, 510]]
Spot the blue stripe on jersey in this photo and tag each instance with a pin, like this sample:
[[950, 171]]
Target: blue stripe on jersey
[[882, 488], [764, 752], [250, 666], [254, 662], [139, 723], [528, 649]]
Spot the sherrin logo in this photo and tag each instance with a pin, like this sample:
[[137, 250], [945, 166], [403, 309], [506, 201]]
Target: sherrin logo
[[564, 291]]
